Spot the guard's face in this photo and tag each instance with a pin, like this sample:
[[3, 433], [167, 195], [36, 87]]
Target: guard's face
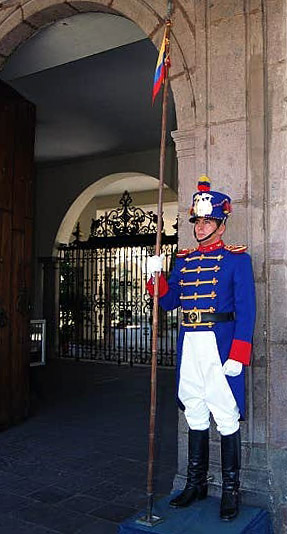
[[204, 226]]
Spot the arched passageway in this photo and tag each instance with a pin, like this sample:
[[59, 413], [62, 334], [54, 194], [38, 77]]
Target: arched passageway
[[102, 247], [20, 25]]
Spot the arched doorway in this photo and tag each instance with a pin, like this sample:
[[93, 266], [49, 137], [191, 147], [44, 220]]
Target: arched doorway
[[102, 246], [105, 314], [19, 24]]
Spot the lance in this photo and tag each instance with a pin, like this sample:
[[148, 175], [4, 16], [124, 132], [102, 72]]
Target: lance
[[150, 519]]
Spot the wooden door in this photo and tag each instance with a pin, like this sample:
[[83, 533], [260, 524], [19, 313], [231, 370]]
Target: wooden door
[[17, 128]]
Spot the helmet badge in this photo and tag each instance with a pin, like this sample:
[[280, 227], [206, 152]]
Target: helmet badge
[[202, 205]]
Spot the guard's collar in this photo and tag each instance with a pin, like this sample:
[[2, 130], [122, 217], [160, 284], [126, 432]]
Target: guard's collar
[[210, 248]]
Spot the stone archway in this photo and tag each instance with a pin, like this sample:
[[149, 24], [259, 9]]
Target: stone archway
[[19, 23]]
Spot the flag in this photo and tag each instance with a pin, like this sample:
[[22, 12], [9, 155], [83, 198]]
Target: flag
[[160, 70]]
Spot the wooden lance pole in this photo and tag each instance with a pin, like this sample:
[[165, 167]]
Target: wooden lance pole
[[150, 520]]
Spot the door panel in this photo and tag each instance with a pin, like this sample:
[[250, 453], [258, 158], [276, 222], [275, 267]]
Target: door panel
[[17, 124], [23, 160], [5, 328], [7, 125], [19, 326]]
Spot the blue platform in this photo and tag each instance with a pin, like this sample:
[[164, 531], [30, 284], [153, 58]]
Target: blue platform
[[200, 518]]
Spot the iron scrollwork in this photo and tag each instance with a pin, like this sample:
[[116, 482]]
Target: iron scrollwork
[[125, 220]]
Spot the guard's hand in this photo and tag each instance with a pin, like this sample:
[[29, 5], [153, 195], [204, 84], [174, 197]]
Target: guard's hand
[[232, 368], [154, 264]]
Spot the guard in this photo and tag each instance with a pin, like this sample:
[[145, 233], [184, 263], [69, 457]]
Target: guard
[[214, 286]]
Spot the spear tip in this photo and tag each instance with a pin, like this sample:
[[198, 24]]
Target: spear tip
[[169, 8]]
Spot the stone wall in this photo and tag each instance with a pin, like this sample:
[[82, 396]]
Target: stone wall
[[275, 245], [228, 80]]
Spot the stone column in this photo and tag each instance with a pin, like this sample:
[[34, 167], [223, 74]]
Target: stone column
[[185, 150], [275, 76]]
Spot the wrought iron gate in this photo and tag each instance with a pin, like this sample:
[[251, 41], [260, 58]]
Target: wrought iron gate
[[105, 311]]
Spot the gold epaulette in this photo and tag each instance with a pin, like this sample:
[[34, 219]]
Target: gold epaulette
[[184, 252], [236, 249]]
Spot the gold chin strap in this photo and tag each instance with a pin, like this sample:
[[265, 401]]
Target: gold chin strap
[[208, 236]]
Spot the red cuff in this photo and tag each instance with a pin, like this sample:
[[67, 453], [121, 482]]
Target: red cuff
[[162, 286], [240, 351]]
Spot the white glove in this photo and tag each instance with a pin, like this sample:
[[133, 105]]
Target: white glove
[[232, 368], [154, 264]]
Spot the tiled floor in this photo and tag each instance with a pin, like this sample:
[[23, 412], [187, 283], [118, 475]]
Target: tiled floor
[[79, 463]]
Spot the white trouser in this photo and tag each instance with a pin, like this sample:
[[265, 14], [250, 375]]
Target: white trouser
[[203, 387]]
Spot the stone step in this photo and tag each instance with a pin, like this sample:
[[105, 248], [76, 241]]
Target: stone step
[[200, 518]]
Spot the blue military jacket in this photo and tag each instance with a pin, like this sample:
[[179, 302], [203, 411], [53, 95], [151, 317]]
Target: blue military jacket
[[216, 279]]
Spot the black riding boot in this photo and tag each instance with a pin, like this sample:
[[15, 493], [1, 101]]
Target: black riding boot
[[230, 464], [198, 456]]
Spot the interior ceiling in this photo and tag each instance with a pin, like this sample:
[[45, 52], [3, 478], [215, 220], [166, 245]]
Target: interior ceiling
[[90, 77]]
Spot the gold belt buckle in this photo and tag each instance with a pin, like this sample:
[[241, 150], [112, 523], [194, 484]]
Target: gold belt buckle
[[194, 316]]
